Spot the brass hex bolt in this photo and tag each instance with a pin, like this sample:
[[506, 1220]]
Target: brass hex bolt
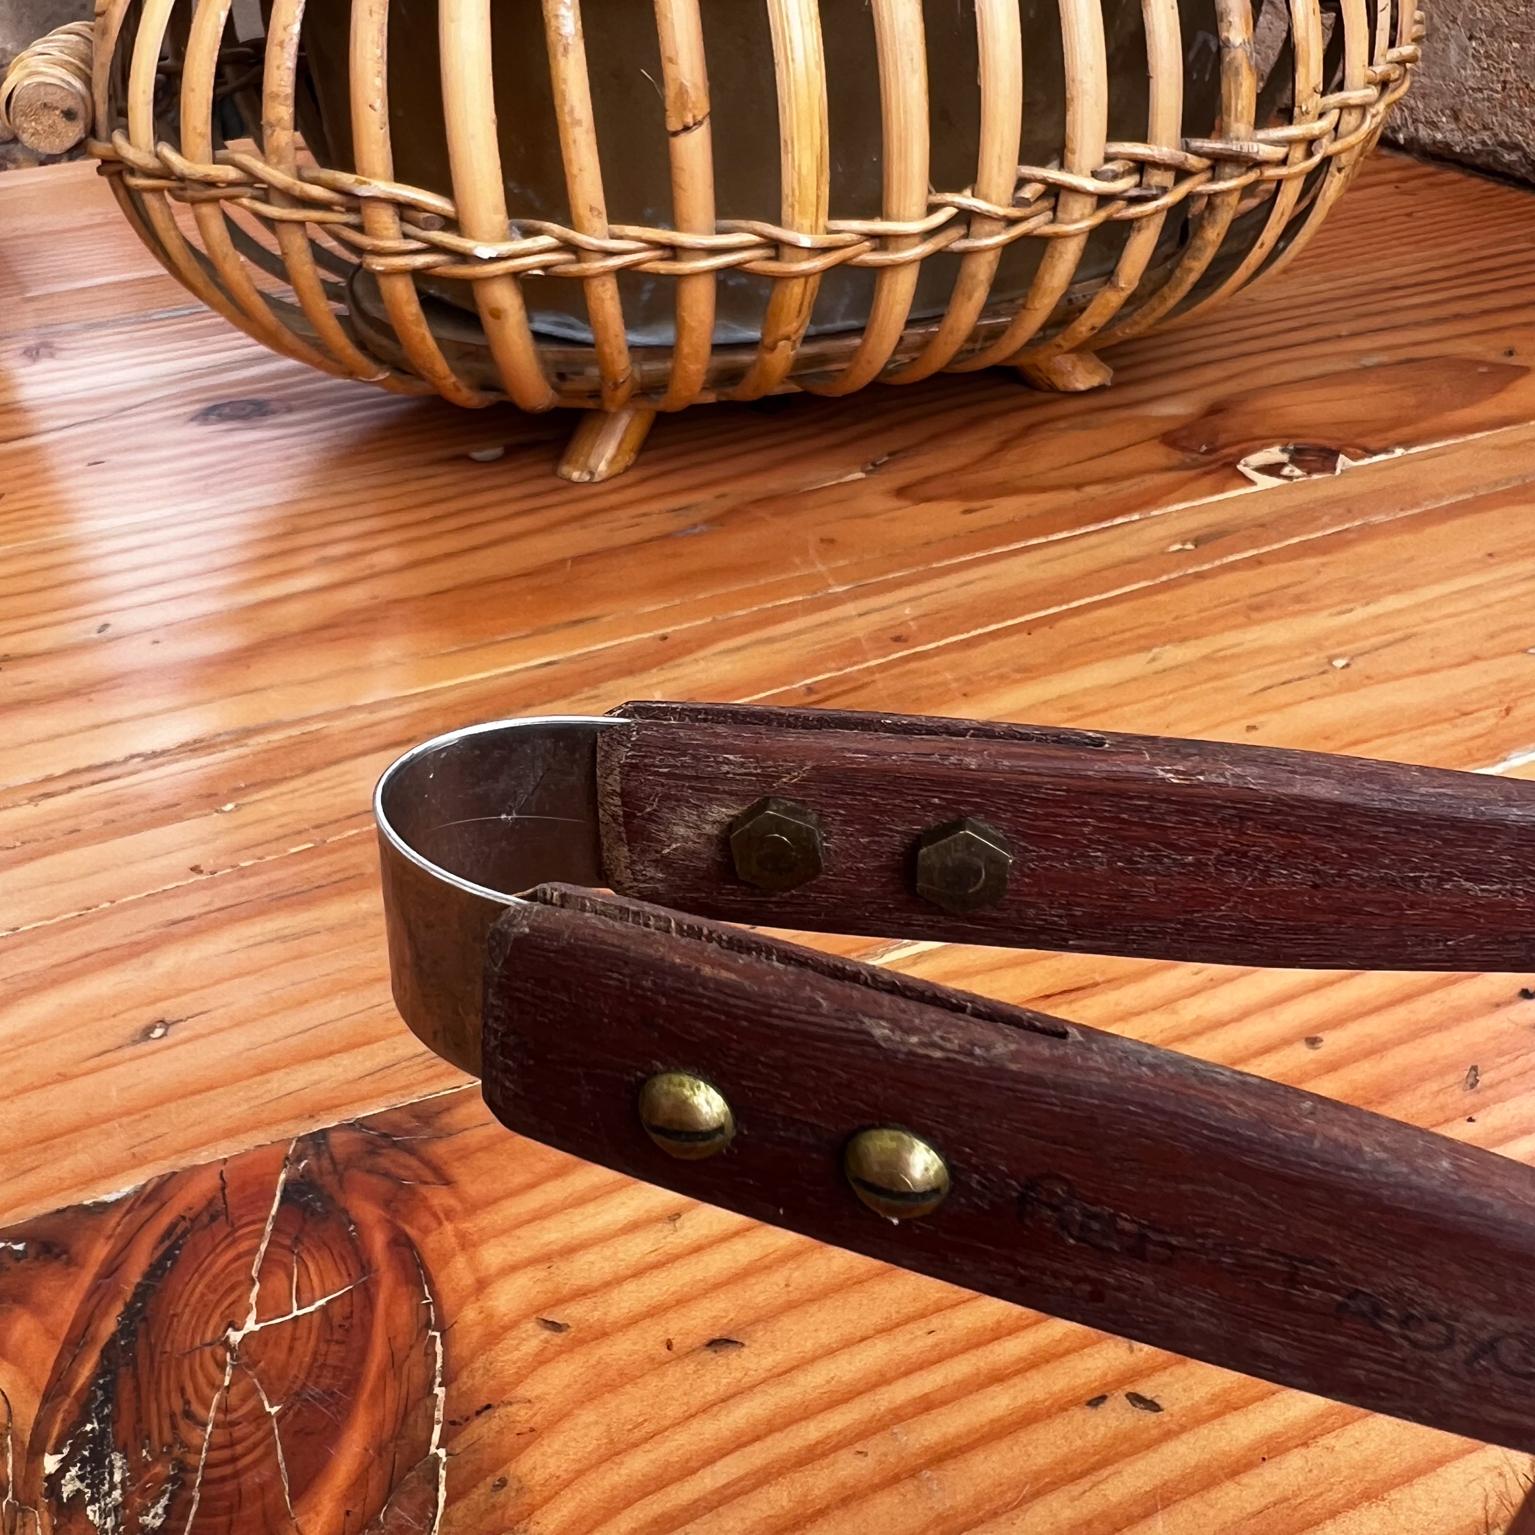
[[685, 1116], [776, 844], [963, 866], [895, 1173]]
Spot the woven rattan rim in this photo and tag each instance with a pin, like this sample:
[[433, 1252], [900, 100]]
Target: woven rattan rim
[[431, 241], [320, 222]]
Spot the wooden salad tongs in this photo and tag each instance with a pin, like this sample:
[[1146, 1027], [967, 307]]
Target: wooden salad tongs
[[1140, 1191]]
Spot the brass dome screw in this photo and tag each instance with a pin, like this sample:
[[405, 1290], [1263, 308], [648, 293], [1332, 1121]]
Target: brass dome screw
[[895, 1173], [685, 1116]]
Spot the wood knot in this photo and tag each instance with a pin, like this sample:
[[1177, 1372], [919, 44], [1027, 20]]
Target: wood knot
[[256, 1346]]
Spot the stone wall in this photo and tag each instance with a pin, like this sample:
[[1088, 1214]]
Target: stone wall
[[1474, 97], [23, 21]]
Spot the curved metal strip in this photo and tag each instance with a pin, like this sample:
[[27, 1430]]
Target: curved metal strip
[[465, 821]]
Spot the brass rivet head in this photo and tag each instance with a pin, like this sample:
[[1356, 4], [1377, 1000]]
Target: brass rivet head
[[685, 1116], [895, 1173], [963, 866], [775, 844]]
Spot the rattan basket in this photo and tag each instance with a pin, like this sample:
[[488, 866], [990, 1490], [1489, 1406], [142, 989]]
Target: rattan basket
[[637, 205]]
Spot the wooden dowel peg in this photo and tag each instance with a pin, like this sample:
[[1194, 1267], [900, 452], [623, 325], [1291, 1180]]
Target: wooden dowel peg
[[45, 97]]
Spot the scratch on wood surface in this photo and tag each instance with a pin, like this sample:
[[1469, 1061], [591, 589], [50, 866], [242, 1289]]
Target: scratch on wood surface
[[1523, 1522], [851, 477], [1129, 588], [899, 951], [1522, 1502], [930, 567], [282, 1460], [112, 1196], [1523, 757], [303, 725], [1291, 461], [179, 884]]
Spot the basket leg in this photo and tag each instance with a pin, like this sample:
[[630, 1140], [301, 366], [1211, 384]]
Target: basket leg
[[1067, 372], [605, 444]]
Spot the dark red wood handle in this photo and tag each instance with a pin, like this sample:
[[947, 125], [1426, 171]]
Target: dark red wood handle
[[1135, 1190], [1120, 844]]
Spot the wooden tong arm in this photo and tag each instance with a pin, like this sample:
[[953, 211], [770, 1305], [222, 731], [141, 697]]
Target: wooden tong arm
[[1189, 1206], [1112, 843]]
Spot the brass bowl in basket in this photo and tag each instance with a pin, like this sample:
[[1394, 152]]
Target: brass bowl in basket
[[637, 205]]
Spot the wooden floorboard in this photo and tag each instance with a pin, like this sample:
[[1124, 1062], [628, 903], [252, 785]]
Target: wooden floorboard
[[231, 590]]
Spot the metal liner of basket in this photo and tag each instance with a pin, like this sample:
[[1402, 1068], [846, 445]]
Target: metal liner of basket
[[207, 146]]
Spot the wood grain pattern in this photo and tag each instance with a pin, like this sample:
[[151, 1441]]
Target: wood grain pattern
[[298, 579], [218, 1327]]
